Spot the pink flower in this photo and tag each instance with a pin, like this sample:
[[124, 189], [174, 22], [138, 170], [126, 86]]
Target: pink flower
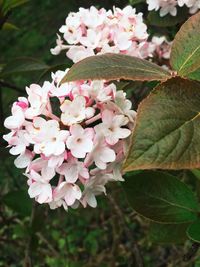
[[111, 127], [73, 169], [17, 119], [39, 185], [49, 140], [101, 154], [74, 111], [80, 141], [69, 192]]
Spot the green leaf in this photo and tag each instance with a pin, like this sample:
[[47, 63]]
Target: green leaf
[[9, 27], [161, 197], [167, 130], [114, 67], [185, 52], [195, 75], [19, 202], [196, 173], [168, 233], [22, 65], [10, 4], [193, 231], [155, 19]]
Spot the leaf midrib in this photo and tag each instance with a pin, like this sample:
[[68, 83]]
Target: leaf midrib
[[127, 68], [171, 203], [189, 57]]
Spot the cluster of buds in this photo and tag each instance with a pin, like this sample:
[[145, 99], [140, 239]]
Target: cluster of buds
[[91, 31], [170, 6], [71, 138]]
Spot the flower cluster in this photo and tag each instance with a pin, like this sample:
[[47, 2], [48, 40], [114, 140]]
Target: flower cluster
[[71, 138], [91, 31], [170, 6]]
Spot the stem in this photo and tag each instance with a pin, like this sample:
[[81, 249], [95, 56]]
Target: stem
[[93, 119]]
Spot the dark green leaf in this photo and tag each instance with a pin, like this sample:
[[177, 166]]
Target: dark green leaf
[[114, 67], [21, 65], [19, 202], [167, 130], [185, 52], [168, 233], [193, 231], [161, 197], [10, 4]]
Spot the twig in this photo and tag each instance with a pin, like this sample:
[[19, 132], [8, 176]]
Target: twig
[[51, 248], [11, 86]]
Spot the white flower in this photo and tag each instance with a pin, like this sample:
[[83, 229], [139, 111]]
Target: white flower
[[49, 139], [80, 141], [73, 169], [38, 99], [69, 192], [16, 120], [101, 154], [39, 185], [23, 160], [77, 53], [95, 187], [111, 127], [74, 111]]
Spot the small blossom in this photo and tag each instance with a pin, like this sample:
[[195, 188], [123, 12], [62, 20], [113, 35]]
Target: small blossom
[[80, 141], [74, 111], [111, 127]]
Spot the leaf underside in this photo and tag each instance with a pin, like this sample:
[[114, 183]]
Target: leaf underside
[[114, 67]]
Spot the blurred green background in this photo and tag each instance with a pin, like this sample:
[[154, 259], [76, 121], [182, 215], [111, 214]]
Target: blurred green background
[[33, 235]]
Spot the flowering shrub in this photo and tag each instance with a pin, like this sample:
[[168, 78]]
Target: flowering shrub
[[73, 149], [165, 135], [75, 134], [170, 6]]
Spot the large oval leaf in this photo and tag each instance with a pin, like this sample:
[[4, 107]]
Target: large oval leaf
[[22, 65], [193, 231], [162, 233], [167, 130], [185, 52], [19, 202], [114, 67], [161, 197]]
